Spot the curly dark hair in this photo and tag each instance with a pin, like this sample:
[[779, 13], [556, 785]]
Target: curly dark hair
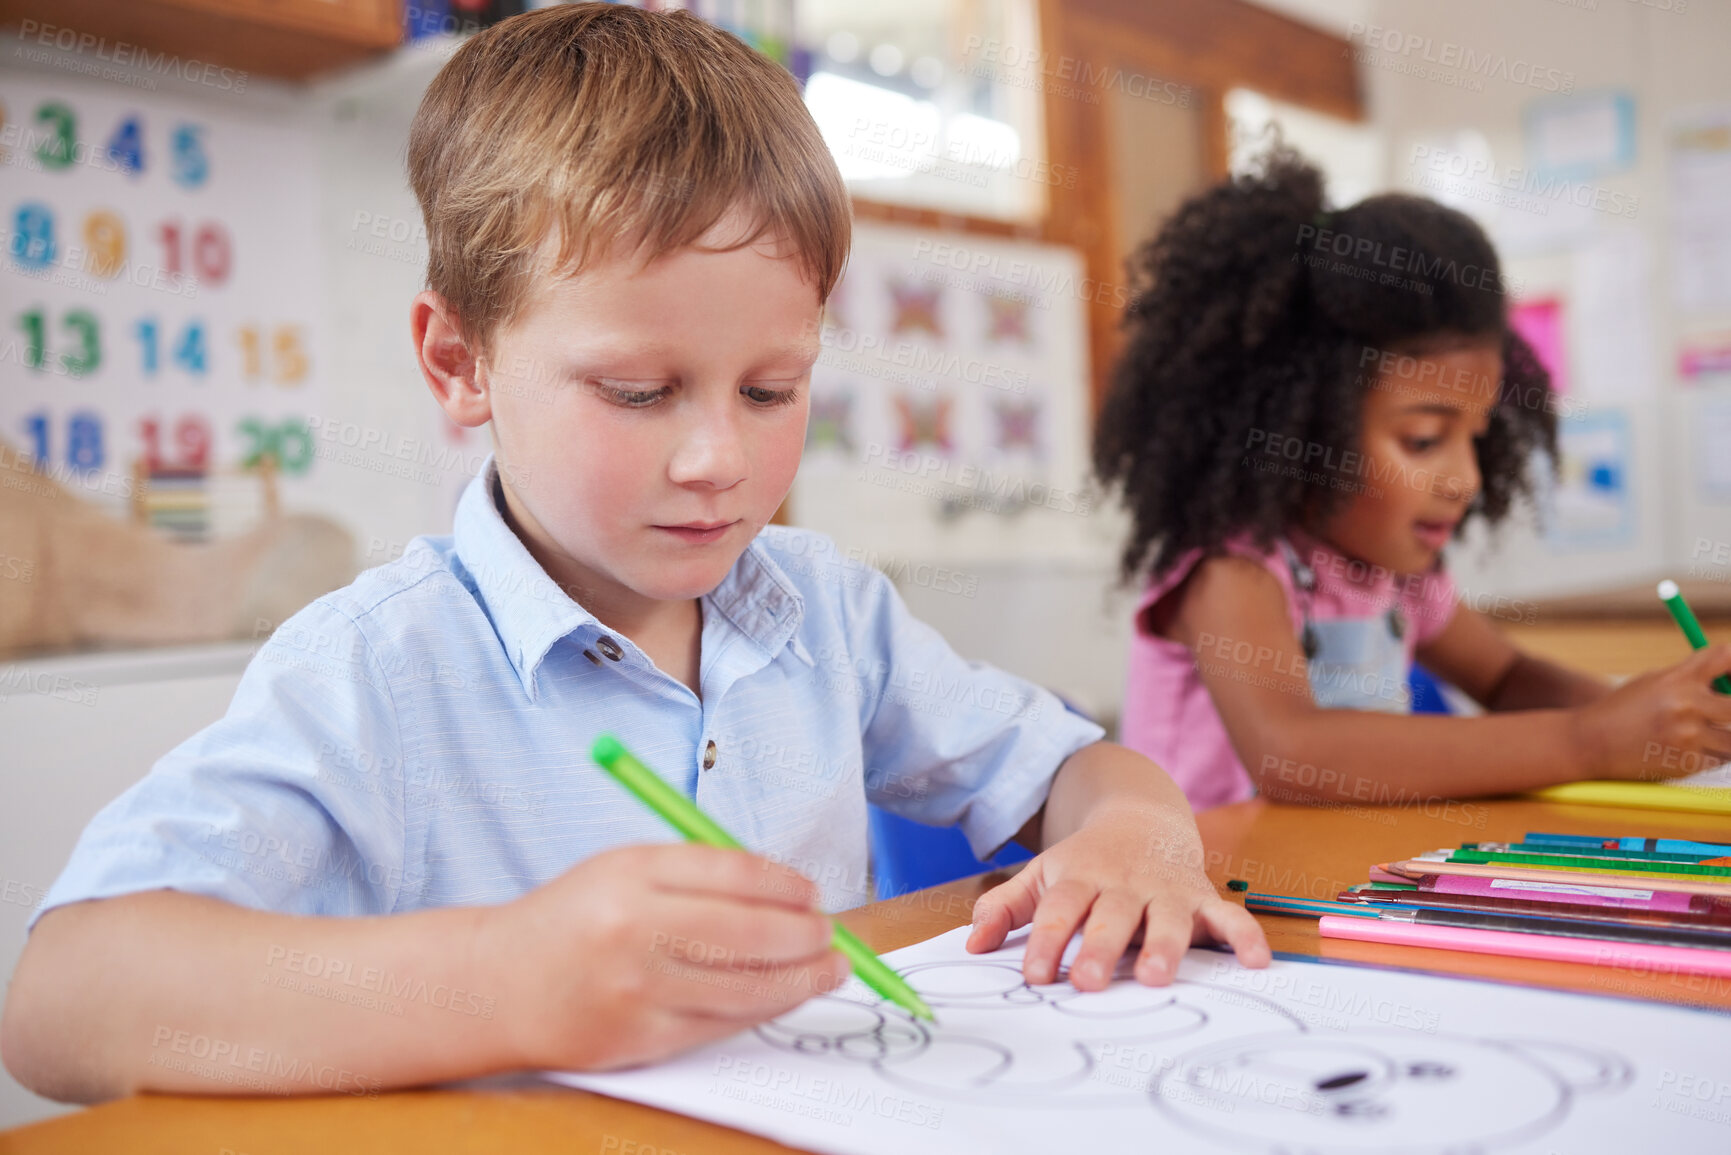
[[1252, 310]]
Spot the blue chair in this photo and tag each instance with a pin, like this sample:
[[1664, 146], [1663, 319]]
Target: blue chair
[[908, 856], [1426, 690]]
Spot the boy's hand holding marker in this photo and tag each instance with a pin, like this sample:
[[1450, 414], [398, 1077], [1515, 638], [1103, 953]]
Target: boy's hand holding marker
[[684, 816], [642, 952]]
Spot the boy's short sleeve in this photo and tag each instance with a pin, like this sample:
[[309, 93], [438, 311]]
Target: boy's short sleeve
[[290, 802], [948, 741]]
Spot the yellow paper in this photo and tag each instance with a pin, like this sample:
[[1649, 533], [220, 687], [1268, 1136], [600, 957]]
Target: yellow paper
[[1645, 795]]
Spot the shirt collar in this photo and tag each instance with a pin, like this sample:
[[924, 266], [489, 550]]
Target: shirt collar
[[531, 612], [759, 599]]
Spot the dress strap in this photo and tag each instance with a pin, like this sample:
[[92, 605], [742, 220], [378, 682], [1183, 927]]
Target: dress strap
[[1304, 581]]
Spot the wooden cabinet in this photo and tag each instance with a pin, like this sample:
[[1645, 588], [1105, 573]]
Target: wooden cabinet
[[285, 39]]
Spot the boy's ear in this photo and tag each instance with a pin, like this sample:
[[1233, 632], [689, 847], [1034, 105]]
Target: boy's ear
[[450, 366]]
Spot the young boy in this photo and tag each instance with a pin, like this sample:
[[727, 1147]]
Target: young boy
[[392, 862]]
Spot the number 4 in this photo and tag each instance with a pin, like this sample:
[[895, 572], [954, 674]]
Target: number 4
[[126, 146]]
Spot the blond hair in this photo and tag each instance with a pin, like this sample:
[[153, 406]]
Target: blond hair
[[612, 125]]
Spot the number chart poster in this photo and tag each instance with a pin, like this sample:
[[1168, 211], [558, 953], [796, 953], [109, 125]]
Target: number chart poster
[[159, 290]]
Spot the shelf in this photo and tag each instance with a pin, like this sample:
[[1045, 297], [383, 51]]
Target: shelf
[[285, 39]]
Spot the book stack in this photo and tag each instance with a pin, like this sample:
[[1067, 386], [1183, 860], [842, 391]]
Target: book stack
[[177, 501]]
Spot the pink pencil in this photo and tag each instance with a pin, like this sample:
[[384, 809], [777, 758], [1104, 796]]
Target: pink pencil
[[1576, 893], [1640, 957]]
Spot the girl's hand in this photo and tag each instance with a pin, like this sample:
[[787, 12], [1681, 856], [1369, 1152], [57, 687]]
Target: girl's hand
[[1133, 874], [1661, 724]]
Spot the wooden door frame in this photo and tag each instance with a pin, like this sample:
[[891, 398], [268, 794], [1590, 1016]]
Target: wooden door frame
[[1210, 48], [1206, 46]]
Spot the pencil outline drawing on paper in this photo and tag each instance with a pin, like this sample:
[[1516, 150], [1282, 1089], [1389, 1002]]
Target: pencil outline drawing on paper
[[974, 1065], [1231, 1065], [1377, 1090]]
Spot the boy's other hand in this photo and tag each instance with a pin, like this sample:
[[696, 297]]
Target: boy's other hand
[[1661, 724], [1110, 880], [642, 952]]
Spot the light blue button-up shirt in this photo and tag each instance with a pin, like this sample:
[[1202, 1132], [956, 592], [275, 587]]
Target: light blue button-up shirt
[[420, 737]]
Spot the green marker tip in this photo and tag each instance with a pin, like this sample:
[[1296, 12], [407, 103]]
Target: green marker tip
[[606, 749]]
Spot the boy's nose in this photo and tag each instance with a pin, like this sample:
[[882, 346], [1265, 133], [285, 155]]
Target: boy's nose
[[711, 453]]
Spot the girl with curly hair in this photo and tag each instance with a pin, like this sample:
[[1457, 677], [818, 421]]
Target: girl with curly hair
[[1310, 404]]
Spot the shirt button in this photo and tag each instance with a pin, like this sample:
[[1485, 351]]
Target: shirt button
[[590, 654], [609, 647], [709, 755]]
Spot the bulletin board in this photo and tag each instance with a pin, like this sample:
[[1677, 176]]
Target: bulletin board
[[160, 286], [948, 406]]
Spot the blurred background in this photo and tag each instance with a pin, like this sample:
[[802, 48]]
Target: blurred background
[[209, 411]]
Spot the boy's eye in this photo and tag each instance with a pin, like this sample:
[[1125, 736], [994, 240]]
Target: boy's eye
[[622, 393], [1421, 444], [768, 398]]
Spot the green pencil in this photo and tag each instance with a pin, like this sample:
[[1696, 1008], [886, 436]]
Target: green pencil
[[684, 816], [1620, 865], [1673, 599]]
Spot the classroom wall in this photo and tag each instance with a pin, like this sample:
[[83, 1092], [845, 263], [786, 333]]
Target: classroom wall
[[69, 752]]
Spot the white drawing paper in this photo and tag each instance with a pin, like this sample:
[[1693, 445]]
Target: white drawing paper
[[1300, 1057]]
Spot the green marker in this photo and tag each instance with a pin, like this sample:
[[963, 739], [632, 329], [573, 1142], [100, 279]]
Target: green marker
[[1673, 599], [684, 816]]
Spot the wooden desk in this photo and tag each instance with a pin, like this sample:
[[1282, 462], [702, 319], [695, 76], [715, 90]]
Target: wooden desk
[[1615, 648], [1277, 848]]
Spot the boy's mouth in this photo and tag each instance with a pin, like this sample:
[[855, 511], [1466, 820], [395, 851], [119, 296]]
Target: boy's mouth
[[699, 532]]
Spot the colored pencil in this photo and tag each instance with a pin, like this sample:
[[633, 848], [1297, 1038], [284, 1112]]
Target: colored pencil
[[1564, 870], [1481, 920], [1637, 866], [1497, 904], [1645, 957], [1605, 853], [1661, 845], [1638, 928], [1567, 927], [1303, 907], [1654, 899], [1417, 868]]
